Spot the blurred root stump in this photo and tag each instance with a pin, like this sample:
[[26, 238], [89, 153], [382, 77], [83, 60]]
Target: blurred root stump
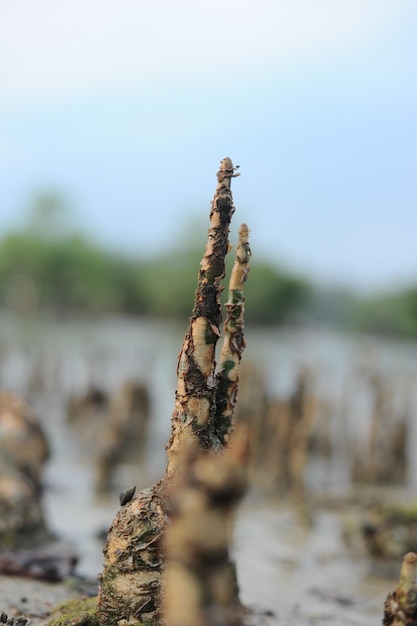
[[284, 431], [89, 407], [391, 531], [380, 457], [124, 436], [24, 451], [400, 607], [112, 427], [132, 577], [294, 439]]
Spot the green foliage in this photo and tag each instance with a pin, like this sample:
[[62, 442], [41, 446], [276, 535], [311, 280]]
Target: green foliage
[[392, 313], [46, 265], [49, 215], [68, 274], [78, 612], [169, 282], [274, 296]]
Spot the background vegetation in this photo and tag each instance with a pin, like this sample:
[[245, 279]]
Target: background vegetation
[[47, 265]]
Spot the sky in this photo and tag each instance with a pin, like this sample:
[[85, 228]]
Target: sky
[[127, 107]]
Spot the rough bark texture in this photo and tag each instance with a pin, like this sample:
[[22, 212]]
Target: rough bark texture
[[193, 418], [131, 583], [400, 607], [233, 341]]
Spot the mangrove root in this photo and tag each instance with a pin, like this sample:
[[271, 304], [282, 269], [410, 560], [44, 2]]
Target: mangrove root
[[131, 582]]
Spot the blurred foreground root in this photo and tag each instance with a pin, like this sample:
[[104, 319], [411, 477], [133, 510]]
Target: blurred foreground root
[[200, 580]]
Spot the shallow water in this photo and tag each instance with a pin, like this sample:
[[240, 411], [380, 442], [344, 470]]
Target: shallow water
[[302, 573]]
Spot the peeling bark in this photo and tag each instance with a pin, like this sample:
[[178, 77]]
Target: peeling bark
[[233, 342]]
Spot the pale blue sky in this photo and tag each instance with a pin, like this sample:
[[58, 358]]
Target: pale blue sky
[[127, 107]]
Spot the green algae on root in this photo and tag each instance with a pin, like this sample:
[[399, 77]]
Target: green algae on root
[[75, 613], [391, 531]]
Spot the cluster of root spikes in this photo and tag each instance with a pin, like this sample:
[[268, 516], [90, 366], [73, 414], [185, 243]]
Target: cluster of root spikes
[[166, 559]]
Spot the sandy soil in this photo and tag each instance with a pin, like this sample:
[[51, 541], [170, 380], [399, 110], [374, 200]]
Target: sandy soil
[[32, 599]]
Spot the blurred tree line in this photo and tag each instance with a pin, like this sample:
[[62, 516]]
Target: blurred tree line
[[389, 313], [47, 265]]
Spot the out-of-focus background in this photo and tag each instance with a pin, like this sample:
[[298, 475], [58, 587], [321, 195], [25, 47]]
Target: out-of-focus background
[[114, 117]]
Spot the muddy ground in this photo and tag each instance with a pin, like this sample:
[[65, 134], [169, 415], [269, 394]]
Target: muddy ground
[[290, 572]]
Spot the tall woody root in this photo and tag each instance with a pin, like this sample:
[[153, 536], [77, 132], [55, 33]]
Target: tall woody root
[[194, 415], [131, 582]]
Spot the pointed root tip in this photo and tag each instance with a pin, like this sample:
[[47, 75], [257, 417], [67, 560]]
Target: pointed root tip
[[410, 558], [227, 169], [243, 230], [226, 165]]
